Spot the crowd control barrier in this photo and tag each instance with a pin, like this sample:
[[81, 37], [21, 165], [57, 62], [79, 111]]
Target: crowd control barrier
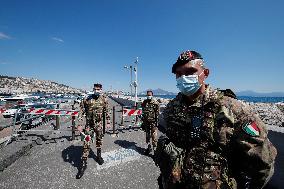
[[130, 112]]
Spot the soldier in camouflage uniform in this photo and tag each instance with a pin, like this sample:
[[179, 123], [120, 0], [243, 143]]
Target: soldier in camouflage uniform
[[212, 140], [94, 107], [150, 110]]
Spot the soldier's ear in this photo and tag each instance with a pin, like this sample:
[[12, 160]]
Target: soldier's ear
[[206, 73]]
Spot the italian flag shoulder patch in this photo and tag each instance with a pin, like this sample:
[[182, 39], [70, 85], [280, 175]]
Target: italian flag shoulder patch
[[86, 137], [252, 129]]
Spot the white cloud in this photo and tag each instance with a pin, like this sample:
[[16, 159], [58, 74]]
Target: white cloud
[[4, 36], [57, 39]]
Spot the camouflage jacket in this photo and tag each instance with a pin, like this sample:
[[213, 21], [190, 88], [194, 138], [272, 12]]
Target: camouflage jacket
[[150, 110], [94, 107], [223, 142]]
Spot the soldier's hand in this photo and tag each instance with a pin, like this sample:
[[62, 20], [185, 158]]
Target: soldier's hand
[[80, 118], [108, 125], [79, 128]]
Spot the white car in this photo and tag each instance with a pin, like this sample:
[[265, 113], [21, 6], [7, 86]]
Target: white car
[[12, 111], [77, 101], [9, 113]]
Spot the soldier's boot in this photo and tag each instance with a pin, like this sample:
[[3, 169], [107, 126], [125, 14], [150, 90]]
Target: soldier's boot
[[82, 168], [148, 150], [100, 160]]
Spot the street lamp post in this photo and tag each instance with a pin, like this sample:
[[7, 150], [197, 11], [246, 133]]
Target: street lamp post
[[131, 80], [130, 68], [136, 81]]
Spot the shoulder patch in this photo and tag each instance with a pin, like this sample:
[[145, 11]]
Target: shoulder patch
[[251, 129]]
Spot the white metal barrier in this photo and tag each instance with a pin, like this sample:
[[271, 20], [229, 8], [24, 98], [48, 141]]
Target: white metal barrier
[[128, 112], [45, 112]]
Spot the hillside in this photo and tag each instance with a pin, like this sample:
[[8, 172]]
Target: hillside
[[29, 85]]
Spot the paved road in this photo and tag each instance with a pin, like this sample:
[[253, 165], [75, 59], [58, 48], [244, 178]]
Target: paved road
[[54, 161]]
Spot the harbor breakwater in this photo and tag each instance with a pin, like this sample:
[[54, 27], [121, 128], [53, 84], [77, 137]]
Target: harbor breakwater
[[271, 114]]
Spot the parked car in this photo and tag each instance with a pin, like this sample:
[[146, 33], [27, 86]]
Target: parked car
[[9, 113]]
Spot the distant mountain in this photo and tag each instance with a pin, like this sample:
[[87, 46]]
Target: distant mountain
[[256, 94], [158, 92]]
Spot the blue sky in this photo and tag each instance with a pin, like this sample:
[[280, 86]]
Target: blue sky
[[81, 42]]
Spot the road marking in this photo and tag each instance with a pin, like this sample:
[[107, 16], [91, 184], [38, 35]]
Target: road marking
[[116, 157]]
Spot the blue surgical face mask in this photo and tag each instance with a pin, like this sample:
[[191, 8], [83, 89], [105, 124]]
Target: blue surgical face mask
[[188, 84], [97, 92], [149, 97]]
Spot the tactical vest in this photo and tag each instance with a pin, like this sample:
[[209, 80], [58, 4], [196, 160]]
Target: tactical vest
[[203, 162], [94, 108], [150, 111]]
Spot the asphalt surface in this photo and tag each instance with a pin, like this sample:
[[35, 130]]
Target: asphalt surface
[[277, 181], [52, 161]]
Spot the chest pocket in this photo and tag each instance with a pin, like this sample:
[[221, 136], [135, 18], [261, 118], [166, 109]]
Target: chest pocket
[[211, 132], [95, 106], [149, 111], [196, 122], [202, 124], [218, 125]]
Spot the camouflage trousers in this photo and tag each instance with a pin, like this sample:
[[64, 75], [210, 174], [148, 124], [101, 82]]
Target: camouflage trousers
[[151, 132], [98, 130]]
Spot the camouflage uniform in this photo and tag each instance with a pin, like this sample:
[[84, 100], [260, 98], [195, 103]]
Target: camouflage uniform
[[93, 107], [215, 142], [150, 109]]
